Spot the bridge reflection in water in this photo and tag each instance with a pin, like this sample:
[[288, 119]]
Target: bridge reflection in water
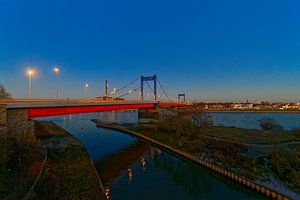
[[133, 169]]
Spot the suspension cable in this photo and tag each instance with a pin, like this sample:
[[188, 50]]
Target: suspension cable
[[125, 86], [128, 93], [163, 89], [150, 87]]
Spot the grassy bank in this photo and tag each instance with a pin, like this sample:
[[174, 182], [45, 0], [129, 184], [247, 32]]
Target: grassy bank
[[21, 157], [250, 136], [69, 173]]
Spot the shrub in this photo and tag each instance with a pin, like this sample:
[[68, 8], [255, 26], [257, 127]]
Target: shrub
[[286, 166], [186, 121], [269, 124]]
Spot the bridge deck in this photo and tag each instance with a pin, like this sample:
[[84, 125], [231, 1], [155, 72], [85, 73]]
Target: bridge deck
[[55, 109]]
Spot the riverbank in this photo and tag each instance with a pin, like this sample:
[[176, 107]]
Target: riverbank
[[69, 172], [251, 136], [255, 111], [196, 158]]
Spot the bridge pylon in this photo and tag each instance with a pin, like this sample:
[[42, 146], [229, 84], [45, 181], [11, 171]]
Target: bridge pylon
[[181, 95], [148, 78]]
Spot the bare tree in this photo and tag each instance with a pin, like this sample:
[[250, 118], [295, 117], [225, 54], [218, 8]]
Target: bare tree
[[3, 93]]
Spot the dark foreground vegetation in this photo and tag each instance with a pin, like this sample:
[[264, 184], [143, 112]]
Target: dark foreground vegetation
[[21, 157], [191, 130], [286, 166], [67, 174]]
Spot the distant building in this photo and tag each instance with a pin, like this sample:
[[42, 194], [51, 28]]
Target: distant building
[[242, 106]]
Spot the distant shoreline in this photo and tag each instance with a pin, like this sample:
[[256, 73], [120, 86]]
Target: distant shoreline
[[255, 111]]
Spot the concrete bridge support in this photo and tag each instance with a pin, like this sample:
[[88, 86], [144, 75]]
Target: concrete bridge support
[[15, 121], [147, 115], [3, 128]]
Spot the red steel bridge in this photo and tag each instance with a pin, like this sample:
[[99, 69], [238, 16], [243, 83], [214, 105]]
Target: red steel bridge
[[46, 110], [48, 107]]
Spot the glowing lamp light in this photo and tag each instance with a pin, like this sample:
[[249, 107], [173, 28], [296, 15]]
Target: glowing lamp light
[[30, 72], [56, 69]]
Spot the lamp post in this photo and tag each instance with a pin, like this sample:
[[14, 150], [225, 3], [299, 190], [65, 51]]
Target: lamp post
[[86, 90], [30, 72], [56, 70]]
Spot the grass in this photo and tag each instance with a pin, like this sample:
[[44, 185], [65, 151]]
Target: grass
[[49, 129], [69, 171], [295, 147], [20, 161], [251, 136], [232, 134]]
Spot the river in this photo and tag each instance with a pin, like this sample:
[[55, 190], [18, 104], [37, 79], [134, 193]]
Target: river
[[132, 169]]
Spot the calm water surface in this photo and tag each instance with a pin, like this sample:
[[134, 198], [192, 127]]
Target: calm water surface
[[132, 169], [250, 120]]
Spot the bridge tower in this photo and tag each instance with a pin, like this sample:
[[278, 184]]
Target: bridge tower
[[106, 89], [148, 78], [179, 97]]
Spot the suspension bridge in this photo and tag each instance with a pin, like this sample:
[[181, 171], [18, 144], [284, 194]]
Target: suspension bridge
[[16, 114], [139, 87]]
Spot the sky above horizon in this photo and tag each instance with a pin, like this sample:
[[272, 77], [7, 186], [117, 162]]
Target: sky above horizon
[[211, 50]]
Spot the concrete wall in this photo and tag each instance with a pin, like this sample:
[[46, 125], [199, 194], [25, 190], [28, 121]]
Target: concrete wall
[[3, 128], [148, 114], [18, 122]]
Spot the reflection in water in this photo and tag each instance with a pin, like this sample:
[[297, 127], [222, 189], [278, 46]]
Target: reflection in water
[[143, 163], [110, 166], [106, 190], [124, 173], [132, 169], [130, 175]]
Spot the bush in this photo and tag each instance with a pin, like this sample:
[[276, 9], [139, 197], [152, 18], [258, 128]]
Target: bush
[[286, 166], [269, 124], [186, 121]]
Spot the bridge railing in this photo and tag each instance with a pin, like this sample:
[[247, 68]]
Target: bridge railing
[[74, 101]]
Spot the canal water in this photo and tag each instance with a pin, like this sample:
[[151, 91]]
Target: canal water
[[132, 169]]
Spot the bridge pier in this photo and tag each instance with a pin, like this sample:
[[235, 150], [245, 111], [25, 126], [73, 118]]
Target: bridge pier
[[146, 115], [15, 121], [3, 128]]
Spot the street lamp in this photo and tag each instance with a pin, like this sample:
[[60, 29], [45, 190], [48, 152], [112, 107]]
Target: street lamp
[[56, 70], [86, 89], [30, 73]]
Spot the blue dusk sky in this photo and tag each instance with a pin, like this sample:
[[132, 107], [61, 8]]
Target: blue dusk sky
[[212, 50]]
